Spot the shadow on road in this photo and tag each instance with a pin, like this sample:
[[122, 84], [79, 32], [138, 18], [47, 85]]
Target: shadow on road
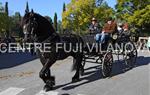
[[8, 60], [143, 61], [89, 76], [119, 66], [96, 74]]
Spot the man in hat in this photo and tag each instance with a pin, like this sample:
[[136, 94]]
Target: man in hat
[[94, 27]]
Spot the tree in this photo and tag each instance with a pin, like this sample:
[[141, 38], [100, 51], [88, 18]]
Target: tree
[[6, 8], [7, 14], [99, 2], [1, 8], [64, 7], [129, 6], [27, 7], [1, 17], [79, 13], [135, 12], [5, 22], [16, 25], [60, 28], [140, 18], [55, 21]]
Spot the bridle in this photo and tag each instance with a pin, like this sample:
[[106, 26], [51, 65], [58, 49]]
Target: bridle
[[33, 26]]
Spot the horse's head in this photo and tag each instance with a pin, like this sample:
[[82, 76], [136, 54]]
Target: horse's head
[[29, 24]]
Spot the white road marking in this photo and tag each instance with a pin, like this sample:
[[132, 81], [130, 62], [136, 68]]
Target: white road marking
[[12, 91], [47, 93]]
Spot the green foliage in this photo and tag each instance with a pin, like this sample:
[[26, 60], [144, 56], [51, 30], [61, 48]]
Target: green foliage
[[4, 22], [64, 7], [60, 28], [140, 17], [1, 7], [16, 29], [9, 25], [79, 13], [138, 14], [4, 19], [55, 21]]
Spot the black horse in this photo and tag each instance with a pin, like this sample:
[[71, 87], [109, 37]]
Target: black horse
[[38, 29]]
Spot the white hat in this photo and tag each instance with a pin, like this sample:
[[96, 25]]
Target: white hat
[[93, 19]]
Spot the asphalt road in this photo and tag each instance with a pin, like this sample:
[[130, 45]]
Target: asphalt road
[[19, 76]]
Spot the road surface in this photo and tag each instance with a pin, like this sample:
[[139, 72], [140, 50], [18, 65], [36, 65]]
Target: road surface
[[19, 76]]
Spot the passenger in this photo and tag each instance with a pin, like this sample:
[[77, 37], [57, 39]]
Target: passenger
[[109, 28], [120, 27], [125, 27]]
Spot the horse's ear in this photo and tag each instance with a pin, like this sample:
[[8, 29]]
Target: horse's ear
[[32, 13]]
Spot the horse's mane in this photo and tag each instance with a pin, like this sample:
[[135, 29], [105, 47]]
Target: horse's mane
[[44, 23]]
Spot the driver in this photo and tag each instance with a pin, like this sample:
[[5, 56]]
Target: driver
[[94, 27]]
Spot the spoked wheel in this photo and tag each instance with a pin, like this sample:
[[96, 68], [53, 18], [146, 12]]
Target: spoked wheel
[[107, 64], [130, 54]]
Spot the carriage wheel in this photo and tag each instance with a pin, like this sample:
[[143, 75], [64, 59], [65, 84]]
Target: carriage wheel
[[107, 64], [130, 55]]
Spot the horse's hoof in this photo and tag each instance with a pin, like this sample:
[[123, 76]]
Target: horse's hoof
[[75, 80], [52, 78], [47, 88], [50, 81]]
